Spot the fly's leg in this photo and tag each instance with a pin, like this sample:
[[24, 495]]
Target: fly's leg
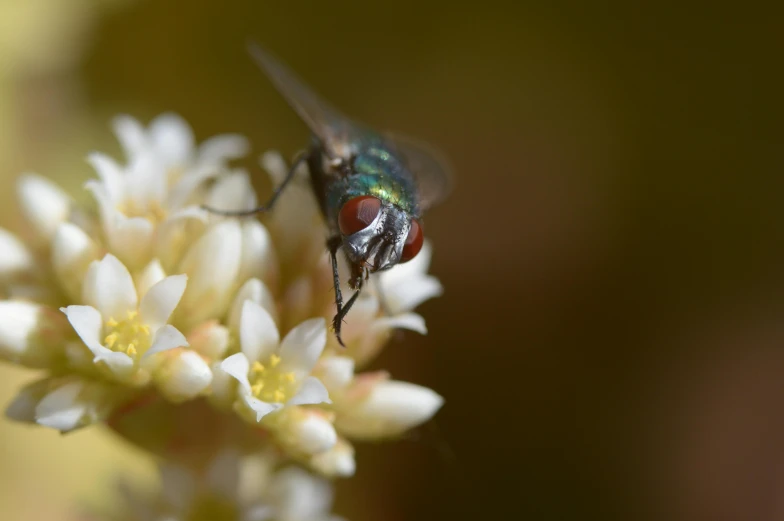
[[333, 244], [342, 312], [302, 157]]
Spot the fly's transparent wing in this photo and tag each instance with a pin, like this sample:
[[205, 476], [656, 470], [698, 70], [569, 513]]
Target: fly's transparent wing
[[432, 171], [326, 122]]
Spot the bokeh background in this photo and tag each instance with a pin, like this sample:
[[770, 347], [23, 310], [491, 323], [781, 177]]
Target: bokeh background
[[611, 340]]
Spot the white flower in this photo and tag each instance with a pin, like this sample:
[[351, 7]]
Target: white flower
[[369, 405], [182, 375], [337, 461], [231, 488], [145, 204], [122, 332], [31, 334], [295, 495], [72, 253], [274, 374], [389, 409], [407, 285], [43, 204], [65, 403], [212, 264]]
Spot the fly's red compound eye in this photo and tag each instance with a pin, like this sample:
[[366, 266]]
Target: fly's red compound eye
[[358, 213], [413, 242]]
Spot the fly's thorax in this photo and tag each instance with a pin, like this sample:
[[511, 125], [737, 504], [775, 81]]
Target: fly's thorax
[[379, 246]]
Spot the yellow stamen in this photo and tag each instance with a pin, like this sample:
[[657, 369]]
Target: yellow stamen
[[132, 314], [256, 389], [279, 395], [110, 339], [258, 367], [111, 322], [131, 350], [289, 377], [274, 360]]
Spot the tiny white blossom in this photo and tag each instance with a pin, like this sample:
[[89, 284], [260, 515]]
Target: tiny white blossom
[[121, 331], [336, 462], [44, 204], [274, 374], [65, 403], [369, 405], [182, 375], [31, 334]]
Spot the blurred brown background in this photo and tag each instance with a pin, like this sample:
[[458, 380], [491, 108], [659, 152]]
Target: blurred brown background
[[611, 340]]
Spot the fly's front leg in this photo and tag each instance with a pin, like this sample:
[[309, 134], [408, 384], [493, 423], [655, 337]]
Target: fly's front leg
[[302, 157], [337, 322], [333, 244]]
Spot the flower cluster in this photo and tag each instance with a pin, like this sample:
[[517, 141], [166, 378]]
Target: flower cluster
[[149, 294], [230, 487]]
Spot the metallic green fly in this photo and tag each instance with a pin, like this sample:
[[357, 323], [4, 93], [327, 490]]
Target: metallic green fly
[[372, 187]]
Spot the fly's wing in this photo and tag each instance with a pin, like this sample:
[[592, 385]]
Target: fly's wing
[[330, 127], [432, 171]]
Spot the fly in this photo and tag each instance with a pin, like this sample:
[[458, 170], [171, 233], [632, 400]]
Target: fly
[[372, 187]]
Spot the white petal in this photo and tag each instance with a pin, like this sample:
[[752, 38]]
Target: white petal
[[223, 388], [30, 334], [360, 319], [112, 290], [259, 335], [314, 434], [131, 239], [212, 264], [22, 408], [187, 213], [43, 203], [72, 252], [275, 165], [111, 175], [167, 337], [218, 149], [336, 462], [311, 392], [158, 304], [259, 407], [336, 371], [411, 293], [130, 133], [300, 495], [210, 340], [255, 290], [258, 254], [301, 348], [183, 376], [15, 258], [61, 408], [173, 138], [410, 321], [87, 323], [232, 192], [237, 365], [146, 183], [150, 275], [120, 364], [391, 408]]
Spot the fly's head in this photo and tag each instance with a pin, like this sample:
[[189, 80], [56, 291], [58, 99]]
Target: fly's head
[[377, 235]]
